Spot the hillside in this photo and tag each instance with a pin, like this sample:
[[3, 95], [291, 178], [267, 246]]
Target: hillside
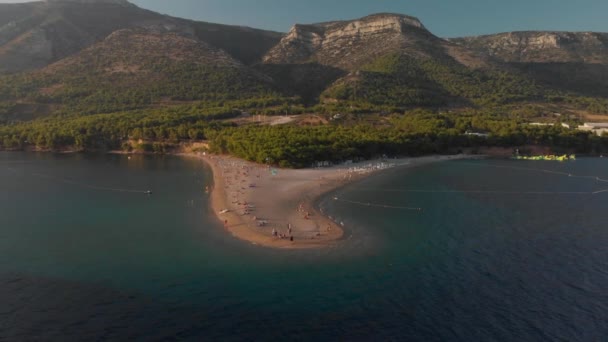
[[382, 62], [542, 47], [337, 57], [399, 80], [105, 74], [392, 60], [34, 35], [135, 68], [350, 44], [575, 62], [45, 32]]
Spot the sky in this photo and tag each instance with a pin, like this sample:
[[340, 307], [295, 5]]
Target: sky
[[445, 18]]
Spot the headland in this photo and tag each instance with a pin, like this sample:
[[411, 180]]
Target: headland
[[275, 208]]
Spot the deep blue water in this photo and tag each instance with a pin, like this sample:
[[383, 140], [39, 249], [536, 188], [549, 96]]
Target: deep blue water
[[523, 255]]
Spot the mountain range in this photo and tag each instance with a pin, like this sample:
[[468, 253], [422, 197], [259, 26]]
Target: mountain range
[[81, 57]]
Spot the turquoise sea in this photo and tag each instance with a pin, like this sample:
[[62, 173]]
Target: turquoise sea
[[502, 251]]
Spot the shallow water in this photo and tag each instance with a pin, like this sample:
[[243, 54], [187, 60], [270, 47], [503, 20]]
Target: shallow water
[[84, 259]]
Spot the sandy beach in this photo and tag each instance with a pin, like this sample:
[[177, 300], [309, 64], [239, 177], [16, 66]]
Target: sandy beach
[[275, 208]]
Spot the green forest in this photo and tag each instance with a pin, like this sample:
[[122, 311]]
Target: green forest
[[416, 132], [396, 105]]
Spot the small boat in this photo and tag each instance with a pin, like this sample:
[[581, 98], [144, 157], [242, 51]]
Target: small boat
[[149, 192], [224, 211]]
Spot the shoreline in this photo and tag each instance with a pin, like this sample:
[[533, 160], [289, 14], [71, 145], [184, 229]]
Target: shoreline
[[267, 206]]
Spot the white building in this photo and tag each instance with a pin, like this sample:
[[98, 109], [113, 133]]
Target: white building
[[598, 128], [565, 125], [477, 134]]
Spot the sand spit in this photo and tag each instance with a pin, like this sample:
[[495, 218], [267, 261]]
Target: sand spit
[[274, 207]]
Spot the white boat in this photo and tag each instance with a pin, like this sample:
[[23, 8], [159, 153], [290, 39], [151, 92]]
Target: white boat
[[224, 211]]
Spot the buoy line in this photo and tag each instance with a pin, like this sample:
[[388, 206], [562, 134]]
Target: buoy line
[[492, 192], [559, 173], [376, 205], [498, 192]]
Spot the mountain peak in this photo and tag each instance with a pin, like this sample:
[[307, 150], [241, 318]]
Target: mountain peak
[[396, 20], [348, 43], [402, 18]]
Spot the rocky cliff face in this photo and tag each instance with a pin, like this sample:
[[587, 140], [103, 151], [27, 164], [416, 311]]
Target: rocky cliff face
[[542, 47], [347, 44]]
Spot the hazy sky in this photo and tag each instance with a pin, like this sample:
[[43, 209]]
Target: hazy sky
[[446, 18]]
